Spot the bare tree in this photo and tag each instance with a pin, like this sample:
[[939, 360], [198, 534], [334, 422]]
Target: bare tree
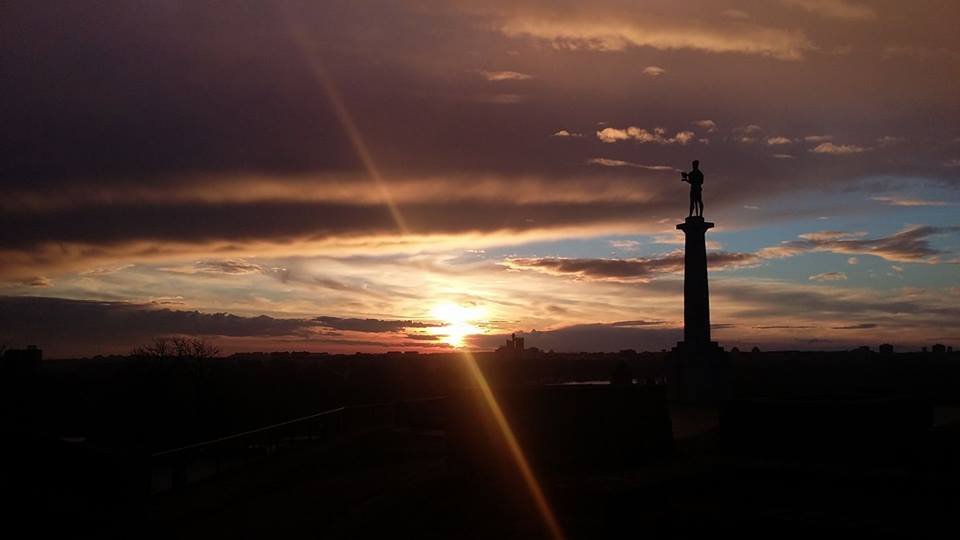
[[184, 348]]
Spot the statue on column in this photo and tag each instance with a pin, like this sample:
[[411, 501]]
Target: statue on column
[[695, 179]]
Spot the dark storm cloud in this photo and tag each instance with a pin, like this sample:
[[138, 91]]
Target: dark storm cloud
[[639, 269]]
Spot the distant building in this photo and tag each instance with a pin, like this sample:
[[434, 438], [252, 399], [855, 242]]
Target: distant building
[[512, 347], [939, 348], [886, 348]]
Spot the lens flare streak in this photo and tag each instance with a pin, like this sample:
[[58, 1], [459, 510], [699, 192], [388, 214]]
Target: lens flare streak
[[513, 445]]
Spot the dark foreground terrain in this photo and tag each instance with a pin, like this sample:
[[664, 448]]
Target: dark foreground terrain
[[777, 461]]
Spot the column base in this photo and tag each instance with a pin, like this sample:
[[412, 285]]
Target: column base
[[699, 373]]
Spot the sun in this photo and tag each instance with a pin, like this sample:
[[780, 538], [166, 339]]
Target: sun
[[458, 322]]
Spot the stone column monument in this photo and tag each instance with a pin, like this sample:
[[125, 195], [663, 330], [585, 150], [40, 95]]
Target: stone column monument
[[699, 368]]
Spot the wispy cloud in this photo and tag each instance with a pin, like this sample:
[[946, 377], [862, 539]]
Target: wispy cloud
[[606, 162], [735, 14], [607, 28], [369, 325], [565, 133], [829, 276], [625, 245], [747, 134], [835, 9], [838, 149], [911, 244], [633, 133], [654, 71], [861, 326], [497, 76], [33, 281], [708, 125], [909, 201], [626, 270], [775, 141]]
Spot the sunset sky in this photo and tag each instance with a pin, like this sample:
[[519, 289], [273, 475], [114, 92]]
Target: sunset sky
[[346, 175]]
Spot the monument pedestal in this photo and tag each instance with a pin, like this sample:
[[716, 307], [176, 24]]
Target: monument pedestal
[[699, 368]]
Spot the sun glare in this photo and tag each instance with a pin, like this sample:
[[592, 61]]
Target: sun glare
[[458, 322]]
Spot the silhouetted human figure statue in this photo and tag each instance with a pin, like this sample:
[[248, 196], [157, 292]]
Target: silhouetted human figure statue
[[695, 179]]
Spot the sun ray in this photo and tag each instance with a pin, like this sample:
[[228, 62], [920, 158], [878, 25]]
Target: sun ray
[[311, 55], [513, 445]]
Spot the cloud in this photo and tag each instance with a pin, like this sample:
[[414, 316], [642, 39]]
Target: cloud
[[708, 125], [829, 276], [62, 326], [765, 299], [888, 140], [747, 134], [735, 14], [654, 71], [911, 244], [565, 133], [497, 76], [606, 28], [606, 162], [838, 149], [233, 267], [625, 245], [34, 281], [783, 156], [783, 327], [625, 270], [920, 52], [861, 326], [818, 138], [370, 325], [658, 135], [835, 9], [57, 323], [853, 261], [774, 141], [907, 201], [106, 270]]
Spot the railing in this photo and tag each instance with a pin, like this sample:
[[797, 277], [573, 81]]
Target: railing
[[178, 467]]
